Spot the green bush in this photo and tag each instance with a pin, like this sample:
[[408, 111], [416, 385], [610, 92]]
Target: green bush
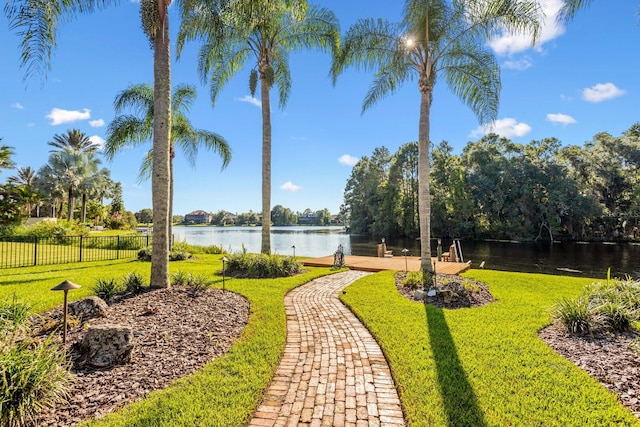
[[48, 228], [196, 249], [611, 306], [34, 375], [414, 279], [178, 253], [199, 283], [134, 283], [248, 265], [107, 288], [180, 278]]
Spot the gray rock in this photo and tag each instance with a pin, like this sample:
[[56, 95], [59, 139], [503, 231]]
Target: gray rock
[[419, 295], [88, 308], [104, 346]]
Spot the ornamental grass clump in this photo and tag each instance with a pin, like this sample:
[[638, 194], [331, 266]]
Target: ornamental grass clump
[[257, 266], [35, 373], [107, 288], [134, 283], [613, 306]]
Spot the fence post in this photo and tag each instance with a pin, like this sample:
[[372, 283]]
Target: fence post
[[118, 248], [35, 250], [81, 248]]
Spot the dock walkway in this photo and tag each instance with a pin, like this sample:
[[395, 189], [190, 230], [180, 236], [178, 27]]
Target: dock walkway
[[398, 263]]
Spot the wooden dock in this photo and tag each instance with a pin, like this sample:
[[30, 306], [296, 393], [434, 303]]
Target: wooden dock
[[397, 263]]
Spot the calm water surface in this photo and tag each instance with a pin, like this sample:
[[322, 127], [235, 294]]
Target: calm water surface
[[574, 259]]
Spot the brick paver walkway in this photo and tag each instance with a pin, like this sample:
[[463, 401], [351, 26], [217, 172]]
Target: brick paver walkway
[[333, 372]]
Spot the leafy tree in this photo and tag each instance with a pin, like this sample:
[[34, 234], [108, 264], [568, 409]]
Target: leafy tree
[[128, 129], [5, 157], [37, 23], [435, 36], [26, 180], [402, 192], [117, 204], [97, 212], [144, 216], [283, 216], [265, 31], [323, 217], [74, 139]]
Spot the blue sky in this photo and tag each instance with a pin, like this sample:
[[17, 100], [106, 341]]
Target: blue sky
[[579, 80]]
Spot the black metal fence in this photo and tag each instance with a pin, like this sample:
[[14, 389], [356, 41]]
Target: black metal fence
[[23, 251]]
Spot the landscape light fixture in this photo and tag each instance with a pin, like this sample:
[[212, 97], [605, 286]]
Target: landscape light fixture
[[224, 259], [294, 251], [404, 251], [65, 286]]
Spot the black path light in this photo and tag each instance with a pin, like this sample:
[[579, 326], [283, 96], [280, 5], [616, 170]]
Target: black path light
[[65, 286], [404, 251], [224, 259], [294, 251]]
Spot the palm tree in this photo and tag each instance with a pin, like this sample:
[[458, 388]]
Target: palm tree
[[5, 157], [71, 169], [265, 32], [75, 139], [435, 36], [129, 129], [26, 179], [36, 23]]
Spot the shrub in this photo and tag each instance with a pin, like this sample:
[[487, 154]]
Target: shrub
[[178, 253], [574, 315], [180, 278], [414, 279], [134, 283], [244, 264], [107, 288], [199, 283], [48, 228], [34, 374]]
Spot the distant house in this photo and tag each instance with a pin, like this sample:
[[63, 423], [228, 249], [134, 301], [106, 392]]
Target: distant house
[[307, 218], [197, 217]]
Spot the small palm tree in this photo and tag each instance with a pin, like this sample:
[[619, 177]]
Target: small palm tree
[[263, 32], [74, 139], [5, 157], [435, 37], [26, 179], [130, 129]]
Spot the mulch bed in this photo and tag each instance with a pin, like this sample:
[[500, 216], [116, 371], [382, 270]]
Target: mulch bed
[[175, 334], [478, 296], [612, 359]]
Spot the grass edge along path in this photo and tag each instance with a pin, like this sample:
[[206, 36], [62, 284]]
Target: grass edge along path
[[483, 366]]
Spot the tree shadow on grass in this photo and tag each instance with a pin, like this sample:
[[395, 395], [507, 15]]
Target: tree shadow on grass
[[459, 400]]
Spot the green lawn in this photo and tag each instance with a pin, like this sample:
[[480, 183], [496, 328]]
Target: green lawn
[[468, 367], [484, 366]]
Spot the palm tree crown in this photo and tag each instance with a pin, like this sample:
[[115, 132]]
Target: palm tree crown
[[74, 139], [263, 32]]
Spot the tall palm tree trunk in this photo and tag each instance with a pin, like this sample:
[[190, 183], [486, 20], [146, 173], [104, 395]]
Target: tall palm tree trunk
[[266, 167], [84, 208], [424, 199], [161, 137], [70, 204], [172, 155]]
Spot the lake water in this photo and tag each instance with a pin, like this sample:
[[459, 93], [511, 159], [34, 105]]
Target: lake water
[[574, 259]]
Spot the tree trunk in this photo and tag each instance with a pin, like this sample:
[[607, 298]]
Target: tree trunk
[[424, 195], [172, 155], [161, 140], [266, 167], [84, 208], [70, 204]]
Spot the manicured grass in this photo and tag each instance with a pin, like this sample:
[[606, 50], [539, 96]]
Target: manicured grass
[[484, 366], [224, 392]]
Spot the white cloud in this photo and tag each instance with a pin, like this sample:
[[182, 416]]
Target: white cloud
[[59, 116], [97, 141], [507, 127], [561, 118], [96, 123], [601, 92], [508, 43], [17, 106], [251, 100], [519, 64], [347, 160], [290, 186]]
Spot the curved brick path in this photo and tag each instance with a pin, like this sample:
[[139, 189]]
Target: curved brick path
[[333, 372]]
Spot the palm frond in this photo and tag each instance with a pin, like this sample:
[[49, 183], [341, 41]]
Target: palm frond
[[386, 82], [137, 97], [126, 130], [282, 72]]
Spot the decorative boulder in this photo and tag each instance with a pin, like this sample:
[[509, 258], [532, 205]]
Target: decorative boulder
[[88, 308], [104, 346], [418, 295]]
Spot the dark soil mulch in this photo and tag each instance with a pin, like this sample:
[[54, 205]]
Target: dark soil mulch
[[477, 292], [175, 334]]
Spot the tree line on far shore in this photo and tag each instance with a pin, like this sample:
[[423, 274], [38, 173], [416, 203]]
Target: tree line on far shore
[[499, 189]]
